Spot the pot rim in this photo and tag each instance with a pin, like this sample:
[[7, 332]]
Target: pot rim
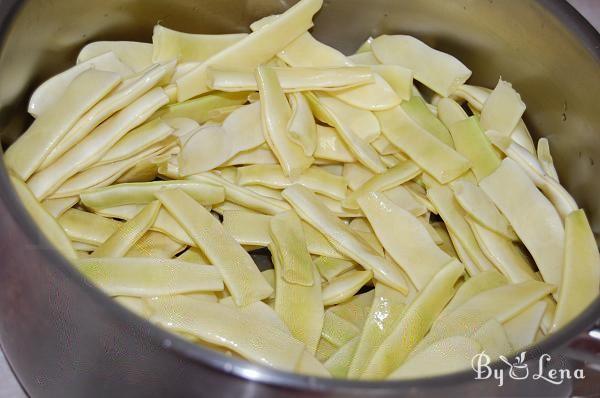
[[199, 355]]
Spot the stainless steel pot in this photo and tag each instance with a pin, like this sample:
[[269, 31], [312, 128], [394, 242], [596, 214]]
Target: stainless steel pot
[[63, 337]]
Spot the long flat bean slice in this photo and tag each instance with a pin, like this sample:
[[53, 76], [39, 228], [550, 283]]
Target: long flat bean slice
[[242, 277], [404, 237], [313, 178], [168, 44], [142, 193], [345, 286], [149, 277], [414, 323], [258, 47], [299, 306], [388, 305], [581, 272], [47, 224], [532, 216], [316, 214], [128, 233], [26, 154], [439, 71], [431, 154], [95, 144], [126, 93], [293, 79], [397, 175], [227, 326], [522, 328]]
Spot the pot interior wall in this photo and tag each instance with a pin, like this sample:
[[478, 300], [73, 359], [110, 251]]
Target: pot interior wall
[[557, 75]]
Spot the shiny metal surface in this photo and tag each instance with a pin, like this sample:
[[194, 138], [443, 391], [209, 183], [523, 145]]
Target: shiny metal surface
[[547, 50]]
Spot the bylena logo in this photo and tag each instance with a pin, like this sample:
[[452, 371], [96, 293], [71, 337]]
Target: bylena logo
[[519, 370]]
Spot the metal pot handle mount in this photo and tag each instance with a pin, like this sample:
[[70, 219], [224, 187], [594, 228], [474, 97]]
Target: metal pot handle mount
[[586, 347]]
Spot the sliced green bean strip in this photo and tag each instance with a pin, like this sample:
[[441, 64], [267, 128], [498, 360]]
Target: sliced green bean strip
[[95, 144], [26, 154], [126, 93], [276, 115], [242, 277], [431, 154], [272, 176], [405, 238], [416, 108], [57, 207], [331, 147], [474, 285], [142, 193], [403, 197], [581, 270], [338, 363], [330, 267], [211, 297], [545, 158], [258, 47], [450, 112], [502, 110], [361, 150], [302, 127], [227, 326], [503, 253], [83, 247], [194, 255], [522, 328], [199, 109], [355, 310], [414, 323], [137, 140], [260, 311], [106, 174], [398, 77], [337, 330], [164, 222], [134, 304], [293, 79], [325, 350], [299, 306], [48, 93], [472, 143], [170, 44], [558, 195], [501, 303], [479, 207], [47, 224], [454, 216], [124, 238], [361, 122], [345, 286], [493, 339], [85, 227], [253, 229], [393, 177], [310, 365], [532, 216], [288, 242], [446, 356], [149, 277], [341, 237], [388, 306], [136, 55], [439, 71], [307, 51], [356, 175]]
